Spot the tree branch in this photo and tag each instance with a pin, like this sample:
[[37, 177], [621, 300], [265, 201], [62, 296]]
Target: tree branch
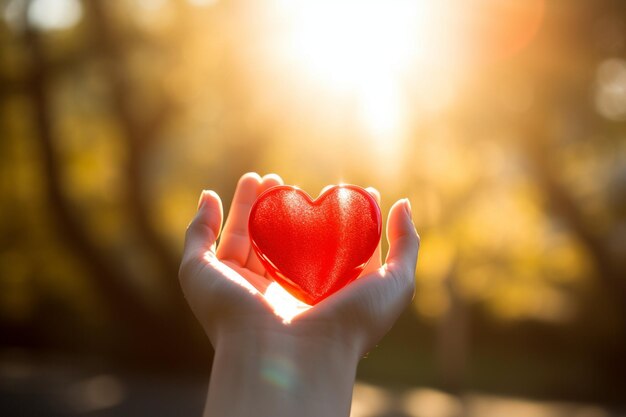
[[611, 272], [139, 136], [111, 282]]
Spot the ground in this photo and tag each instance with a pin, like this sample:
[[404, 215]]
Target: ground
[[64, 387]]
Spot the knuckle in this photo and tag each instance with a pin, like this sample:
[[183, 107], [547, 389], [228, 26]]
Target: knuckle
[[189, 231], [415, 238], [188, 266], [183, 269], [413, 241], [410, 288], [193, 225], [405, 277]]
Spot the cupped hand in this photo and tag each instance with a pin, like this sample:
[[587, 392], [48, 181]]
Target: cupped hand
[[232, 295]]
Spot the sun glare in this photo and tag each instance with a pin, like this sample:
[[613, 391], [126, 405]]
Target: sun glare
[[393, 63], [284, 304], [352, 44], [363, 51]]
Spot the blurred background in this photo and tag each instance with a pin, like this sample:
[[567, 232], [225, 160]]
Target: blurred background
[[504, 122]]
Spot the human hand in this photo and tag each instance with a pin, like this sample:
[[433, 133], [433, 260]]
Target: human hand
[[229, 291]]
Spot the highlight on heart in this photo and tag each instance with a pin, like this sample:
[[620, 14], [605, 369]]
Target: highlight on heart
[[314, 248]]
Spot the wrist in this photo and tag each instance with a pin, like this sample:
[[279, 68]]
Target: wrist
[[278, 372]]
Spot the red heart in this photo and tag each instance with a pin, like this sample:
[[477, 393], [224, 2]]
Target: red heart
[[315, 248]]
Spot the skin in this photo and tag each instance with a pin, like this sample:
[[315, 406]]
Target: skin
[[265, 366]]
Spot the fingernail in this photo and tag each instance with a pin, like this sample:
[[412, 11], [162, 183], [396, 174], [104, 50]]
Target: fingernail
[[407, 204], [201, 199]]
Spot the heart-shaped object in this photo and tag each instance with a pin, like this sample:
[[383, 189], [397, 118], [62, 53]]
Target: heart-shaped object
[[315, 248]]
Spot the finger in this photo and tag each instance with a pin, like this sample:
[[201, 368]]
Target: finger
[[376, 259], [235, 243], [403, 241], [259, 282], [253, 263], [379, 298], [204, 229]]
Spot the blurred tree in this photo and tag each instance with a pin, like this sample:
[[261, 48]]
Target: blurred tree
[[114, 118]]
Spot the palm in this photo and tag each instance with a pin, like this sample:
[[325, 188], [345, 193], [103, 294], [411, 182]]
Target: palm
[[227, 282], [237, 279]]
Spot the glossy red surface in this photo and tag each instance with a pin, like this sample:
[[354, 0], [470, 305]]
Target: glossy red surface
[[315, 248]]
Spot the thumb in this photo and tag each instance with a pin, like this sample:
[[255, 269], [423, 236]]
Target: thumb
[[204, 229], [403, 240]]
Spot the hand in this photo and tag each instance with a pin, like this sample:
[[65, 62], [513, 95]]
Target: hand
[[314, 353]]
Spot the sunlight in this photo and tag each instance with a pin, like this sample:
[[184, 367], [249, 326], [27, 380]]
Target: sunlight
[[363, 49], [229, 273], [284, 304], [388, 66], [356, 44]]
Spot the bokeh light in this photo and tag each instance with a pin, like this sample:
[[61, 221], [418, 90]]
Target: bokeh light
[[502, 121], [610, 95], [54, 14]]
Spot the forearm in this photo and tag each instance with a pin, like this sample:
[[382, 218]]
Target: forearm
[[280, 375]]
